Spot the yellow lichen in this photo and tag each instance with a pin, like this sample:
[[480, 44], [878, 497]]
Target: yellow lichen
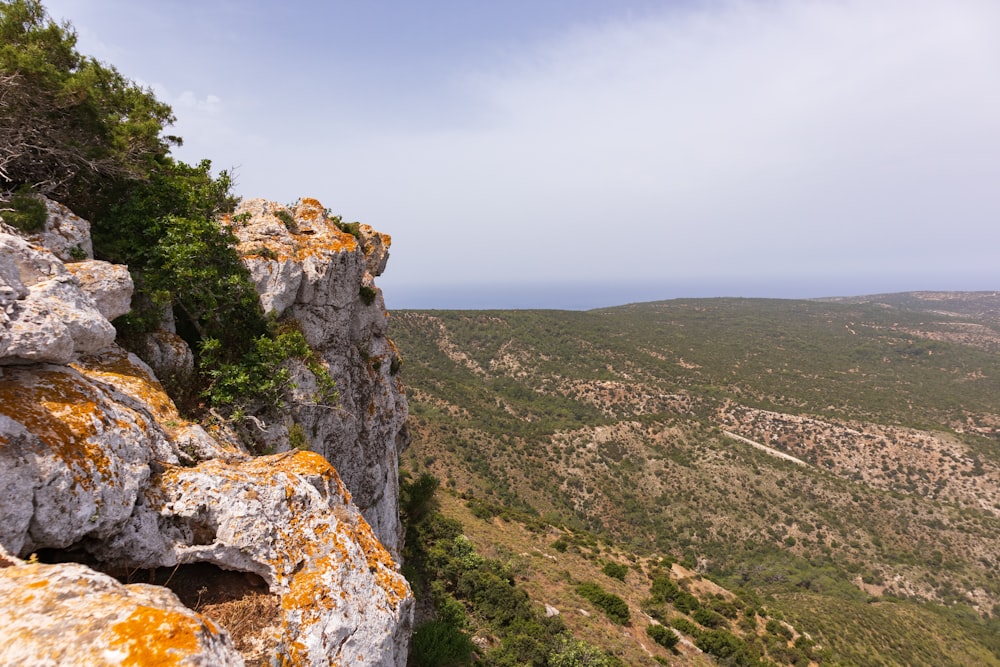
[[157, 637], [63, 411], [116, 367]]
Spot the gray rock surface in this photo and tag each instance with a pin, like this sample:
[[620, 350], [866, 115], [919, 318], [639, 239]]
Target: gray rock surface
[[322, 277], [47, 316], [109, 285]]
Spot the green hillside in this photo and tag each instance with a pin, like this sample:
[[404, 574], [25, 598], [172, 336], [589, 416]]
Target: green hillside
[[877, 533]]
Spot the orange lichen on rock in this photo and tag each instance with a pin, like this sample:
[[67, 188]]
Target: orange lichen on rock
[[380, 563], [270, 236], [304, 462], [309, 588], [69, 614], [116, 367], [63, 412], [309, 209], [151, 636]]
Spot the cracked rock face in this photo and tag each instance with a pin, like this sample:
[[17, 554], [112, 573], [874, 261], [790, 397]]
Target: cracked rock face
[[306, 268]]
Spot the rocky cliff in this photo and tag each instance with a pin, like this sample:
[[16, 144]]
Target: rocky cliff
[[309, 270], [97, 466]]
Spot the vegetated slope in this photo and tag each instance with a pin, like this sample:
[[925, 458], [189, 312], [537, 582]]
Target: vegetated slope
[[621, 420]]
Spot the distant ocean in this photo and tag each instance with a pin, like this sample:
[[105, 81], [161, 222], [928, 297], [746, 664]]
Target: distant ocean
[[585, 297]]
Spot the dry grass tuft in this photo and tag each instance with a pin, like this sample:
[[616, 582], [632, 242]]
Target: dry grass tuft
[[248, 620]]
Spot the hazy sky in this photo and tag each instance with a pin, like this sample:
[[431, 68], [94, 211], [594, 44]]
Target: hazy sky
[[575, 153]]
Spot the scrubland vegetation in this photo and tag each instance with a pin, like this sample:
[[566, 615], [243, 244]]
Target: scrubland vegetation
[[613, 423]]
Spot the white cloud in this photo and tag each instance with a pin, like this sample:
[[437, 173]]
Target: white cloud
[[187, 102], [740, 138]]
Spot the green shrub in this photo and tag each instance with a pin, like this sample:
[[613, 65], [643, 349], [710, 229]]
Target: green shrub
[[24, 210], [728, 609], [663, 589], [367, 294], [686, 626], [571, 652], [613, 606], [685, 602], [708, 618], [663, 636], [778, 629], [259, 379], [326, 386], [727, 647], [287, 219], [352, 228], [615, 570], [297, 437], [439, 644]]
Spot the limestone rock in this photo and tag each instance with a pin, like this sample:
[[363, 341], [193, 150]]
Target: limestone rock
[[109, 285], [66, 235], [342, 316], [376, 248], [72, 460], [47, 316], [168, 355], [76, 445], [70, 615], [289, 519]]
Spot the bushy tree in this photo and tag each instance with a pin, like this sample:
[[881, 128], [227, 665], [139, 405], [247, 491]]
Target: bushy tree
[[70, 127], [77, 131], [440, 644], [662, 635]]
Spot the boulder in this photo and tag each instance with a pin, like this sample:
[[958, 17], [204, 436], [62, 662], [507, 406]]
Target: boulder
[[72, 459], [66, 235], [288, 519], [168, 355], [109, 285], [67, 614], [47, 316]]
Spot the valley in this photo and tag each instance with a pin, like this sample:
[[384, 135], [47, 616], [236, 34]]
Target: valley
[[632, 424]]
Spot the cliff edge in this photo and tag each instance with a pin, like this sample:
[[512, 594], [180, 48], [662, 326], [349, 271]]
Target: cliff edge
[[97, 466]]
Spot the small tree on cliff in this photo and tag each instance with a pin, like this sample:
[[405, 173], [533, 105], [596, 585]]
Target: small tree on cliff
[[70, 127], [77, 131]]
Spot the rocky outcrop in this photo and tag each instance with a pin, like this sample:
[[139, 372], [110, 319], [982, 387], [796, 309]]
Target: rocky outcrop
[[66, 235], [109, 285], [95, 461], [45, 314], [288, 519], [314, 270], [117, 624]]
